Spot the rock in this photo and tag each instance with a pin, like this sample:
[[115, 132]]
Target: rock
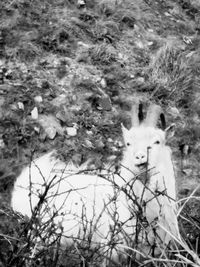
[[38, 99], [150, 43], [120, 56], [84, 45], [99, 144], [50, 125], [98, 79], [81, 3], [114, 149], [59, 100], [186, 150], [37, 129], [140, 80], [76, 21], [103, 83], [74, 98], [175, 10], [2, 144], [88, 144], [105, 103], [112, 158], [174, 112], [34, 113], [89, 132], [71, 131], [62, 116], [167, 14], [139, 44], [51, 132], [20, 105]]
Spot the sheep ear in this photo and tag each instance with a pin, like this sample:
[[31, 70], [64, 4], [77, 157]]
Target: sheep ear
[[169, 131], [125, 132]]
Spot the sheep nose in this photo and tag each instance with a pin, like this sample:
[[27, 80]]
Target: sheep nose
[[140, 157]]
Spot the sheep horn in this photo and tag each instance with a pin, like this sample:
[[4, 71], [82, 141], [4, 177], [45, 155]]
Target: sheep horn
[[140, 112], [135, 113], [163, 121], [153, 114]]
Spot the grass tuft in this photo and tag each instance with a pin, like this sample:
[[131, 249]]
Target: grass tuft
[[172, 73], [107, 7], [103, 54]]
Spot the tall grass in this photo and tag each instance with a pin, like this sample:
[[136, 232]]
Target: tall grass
[[172, 71]]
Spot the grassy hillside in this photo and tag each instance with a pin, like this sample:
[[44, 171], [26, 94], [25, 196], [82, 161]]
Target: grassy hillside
[[78, 68]]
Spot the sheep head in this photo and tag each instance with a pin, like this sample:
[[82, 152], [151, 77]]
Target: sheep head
[[145, 143]]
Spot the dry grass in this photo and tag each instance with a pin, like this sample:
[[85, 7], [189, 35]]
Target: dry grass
[[171, 69], [166, 64], [103, 54], [108, 8]]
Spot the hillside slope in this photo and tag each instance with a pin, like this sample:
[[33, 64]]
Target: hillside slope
[[68, 76]]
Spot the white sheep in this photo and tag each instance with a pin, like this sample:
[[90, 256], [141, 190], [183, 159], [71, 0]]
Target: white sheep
[[146, 143], [134, 208]]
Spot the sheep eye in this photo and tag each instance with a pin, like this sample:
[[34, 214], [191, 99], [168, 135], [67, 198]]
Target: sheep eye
[[128, 144], [157, 142]]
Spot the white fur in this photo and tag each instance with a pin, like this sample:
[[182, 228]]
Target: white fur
[[105, 206], [162, 177]]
